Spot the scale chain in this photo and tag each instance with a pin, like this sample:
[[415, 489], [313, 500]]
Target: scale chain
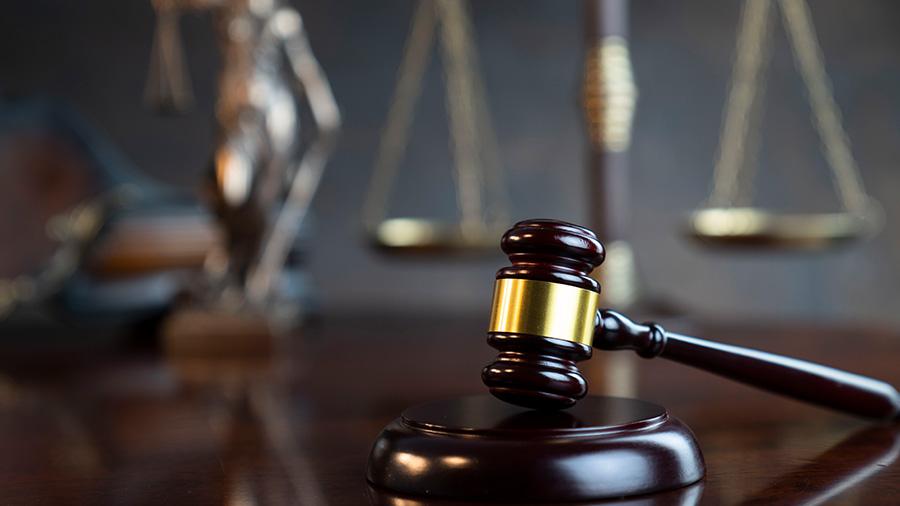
[[472, 140], [748, 88]]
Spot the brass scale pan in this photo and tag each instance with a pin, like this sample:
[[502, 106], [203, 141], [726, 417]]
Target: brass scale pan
[[425, 236], [751, 227]]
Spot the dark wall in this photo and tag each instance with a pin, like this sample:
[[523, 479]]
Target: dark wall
[[94, 55]]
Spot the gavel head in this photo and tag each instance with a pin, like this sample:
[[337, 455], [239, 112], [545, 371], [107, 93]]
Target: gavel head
[[544, 314]]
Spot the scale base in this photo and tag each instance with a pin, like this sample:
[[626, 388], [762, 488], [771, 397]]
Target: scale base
[[481, 449], [203, 332]]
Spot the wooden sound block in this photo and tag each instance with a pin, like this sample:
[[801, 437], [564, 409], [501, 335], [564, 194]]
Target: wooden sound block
[[479, 448]]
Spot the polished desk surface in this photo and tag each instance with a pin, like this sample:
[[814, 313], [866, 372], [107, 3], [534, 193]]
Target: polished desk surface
[[130, 428]]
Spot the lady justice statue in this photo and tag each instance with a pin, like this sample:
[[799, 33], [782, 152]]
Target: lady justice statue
[[260, 184]]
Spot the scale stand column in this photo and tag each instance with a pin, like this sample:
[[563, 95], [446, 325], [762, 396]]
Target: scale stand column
[[609, 98]]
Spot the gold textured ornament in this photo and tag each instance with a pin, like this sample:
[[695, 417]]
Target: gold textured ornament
[[610, 95]]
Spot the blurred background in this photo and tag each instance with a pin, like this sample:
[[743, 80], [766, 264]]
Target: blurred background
[[94, 56], [200, 281]]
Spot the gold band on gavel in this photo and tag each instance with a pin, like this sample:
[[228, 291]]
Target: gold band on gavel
[[541, 308]]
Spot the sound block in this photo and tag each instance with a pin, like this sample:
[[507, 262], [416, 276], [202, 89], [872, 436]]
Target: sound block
[[479, 448]]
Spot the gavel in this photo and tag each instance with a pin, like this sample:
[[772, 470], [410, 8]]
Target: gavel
[[546, 318]]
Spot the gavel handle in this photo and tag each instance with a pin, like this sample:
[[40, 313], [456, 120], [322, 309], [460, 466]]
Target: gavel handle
[[806, 381]]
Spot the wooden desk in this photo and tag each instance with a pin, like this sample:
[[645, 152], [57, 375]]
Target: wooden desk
[[129, 428]]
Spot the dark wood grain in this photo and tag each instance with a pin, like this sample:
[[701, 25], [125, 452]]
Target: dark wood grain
[[128, 428]]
